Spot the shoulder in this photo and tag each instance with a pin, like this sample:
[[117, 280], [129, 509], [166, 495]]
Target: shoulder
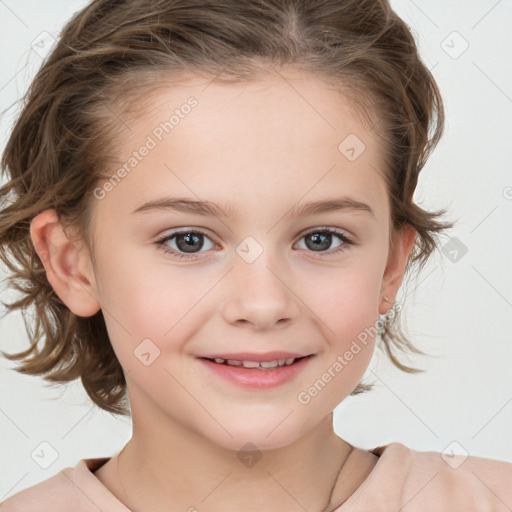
[[74, 489], [451, 482], [56, 493]]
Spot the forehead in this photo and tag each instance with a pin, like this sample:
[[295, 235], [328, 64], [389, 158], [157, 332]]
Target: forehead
[[280, 137], [271, 100]]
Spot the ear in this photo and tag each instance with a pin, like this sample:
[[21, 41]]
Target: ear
[[67, 263], [401, 246]]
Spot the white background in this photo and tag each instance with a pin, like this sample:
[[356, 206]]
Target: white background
[[458, 312]]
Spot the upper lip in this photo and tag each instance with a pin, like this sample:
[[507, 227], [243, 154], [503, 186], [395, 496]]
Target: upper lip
[[252, 356]]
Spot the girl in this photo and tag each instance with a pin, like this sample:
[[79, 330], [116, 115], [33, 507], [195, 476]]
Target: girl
[[212, 222]]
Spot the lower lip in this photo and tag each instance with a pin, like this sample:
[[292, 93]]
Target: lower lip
[[255, 378]]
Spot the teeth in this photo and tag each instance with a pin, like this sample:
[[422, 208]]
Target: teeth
[[269, 364], [257, 364], [250, 364]]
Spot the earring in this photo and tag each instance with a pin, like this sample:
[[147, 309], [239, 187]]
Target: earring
[[385, 317]]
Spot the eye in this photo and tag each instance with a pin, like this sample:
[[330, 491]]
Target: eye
[[186, 243], [320, 239]]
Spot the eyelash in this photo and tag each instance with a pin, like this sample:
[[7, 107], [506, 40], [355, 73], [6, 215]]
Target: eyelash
[[161, 242]]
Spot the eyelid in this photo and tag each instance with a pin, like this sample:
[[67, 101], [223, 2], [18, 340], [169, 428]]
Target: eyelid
[[206, 232], [187, 229], [161, 239], [336, 231]]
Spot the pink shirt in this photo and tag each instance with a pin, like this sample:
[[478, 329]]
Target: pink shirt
[[403, 480]]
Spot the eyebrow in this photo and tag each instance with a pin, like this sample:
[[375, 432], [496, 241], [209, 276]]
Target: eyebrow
[[208, 208]]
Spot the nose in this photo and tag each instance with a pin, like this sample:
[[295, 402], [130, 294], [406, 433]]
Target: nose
[[259, 296]]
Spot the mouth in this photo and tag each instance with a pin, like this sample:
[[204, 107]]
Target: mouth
[[256, 372], [256, 365]]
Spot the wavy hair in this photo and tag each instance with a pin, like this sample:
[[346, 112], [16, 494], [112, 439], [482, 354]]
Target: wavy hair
[[111, 54]]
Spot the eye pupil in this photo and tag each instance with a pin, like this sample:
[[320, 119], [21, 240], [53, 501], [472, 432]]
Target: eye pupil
[[190, 240], [321, 241]]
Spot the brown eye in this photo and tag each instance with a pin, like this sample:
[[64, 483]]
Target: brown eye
[[321, 240], [189, 242], [184, 243]]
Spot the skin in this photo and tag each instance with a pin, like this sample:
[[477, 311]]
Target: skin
[[264, 147]]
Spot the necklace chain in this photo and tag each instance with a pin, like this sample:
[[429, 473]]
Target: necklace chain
[[334, 484], [119, 477], [324, 509]]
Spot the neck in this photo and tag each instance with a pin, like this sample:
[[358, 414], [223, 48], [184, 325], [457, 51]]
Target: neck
[[180, 470]]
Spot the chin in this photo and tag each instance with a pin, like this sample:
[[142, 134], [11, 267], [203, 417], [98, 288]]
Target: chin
[[269, 435], [254, 443]]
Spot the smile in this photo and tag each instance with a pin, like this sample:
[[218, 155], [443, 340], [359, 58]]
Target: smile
[[256, 375], [261, 365]]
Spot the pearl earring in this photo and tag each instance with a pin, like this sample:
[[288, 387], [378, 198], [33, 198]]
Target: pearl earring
[[385, 317]]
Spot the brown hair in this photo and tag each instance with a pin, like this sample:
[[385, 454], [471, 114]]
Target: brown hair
[[107, 58]]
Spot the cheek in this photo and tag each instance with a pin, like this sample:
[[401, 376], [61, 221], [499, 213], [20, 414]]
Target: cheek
[[346, 312], [345, 298], [141, 300]]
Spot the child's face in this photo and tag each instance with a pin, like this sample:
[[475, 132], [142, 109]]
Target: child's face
[[257, 283]]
